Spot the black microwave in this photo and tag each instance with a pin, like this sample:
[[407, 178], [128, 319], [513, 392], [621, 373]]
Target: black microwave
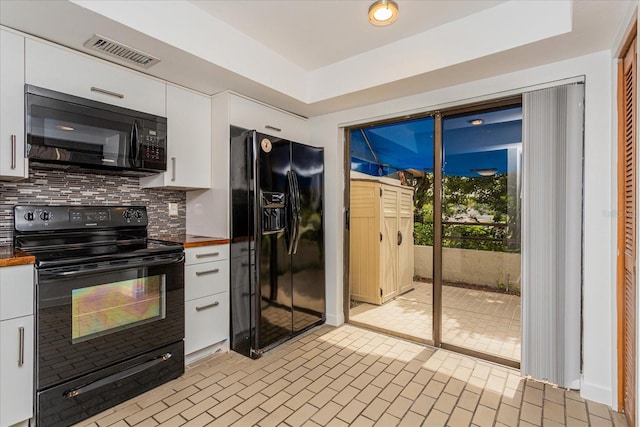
[[72, 133]]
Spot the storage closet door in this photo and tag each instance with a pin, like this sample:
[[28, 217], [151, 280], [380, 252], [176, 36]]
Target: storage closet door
[[388, 245]]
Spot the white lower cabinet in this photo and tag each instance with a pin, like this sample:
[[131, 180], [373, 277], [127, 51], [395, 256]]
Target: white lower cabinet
[[16, 370], [16, 344], [206, 283], [207, 318]]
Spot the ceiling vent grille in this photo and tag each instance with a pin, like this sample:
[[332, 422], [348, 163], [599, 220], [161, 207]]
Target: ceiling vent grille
[[121, 51]]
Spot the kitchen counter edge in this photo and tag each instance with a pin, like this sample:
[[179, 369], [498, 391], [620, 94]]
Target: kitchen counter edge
[[10, 256], [193, 241]]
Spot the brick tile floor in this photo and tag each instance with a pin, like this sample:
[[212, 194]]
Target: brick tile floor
[[351, 376], [487, 322]]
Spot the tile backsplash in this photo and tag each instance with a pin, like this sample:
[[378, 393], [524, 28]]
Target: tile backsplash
[[46, 187]]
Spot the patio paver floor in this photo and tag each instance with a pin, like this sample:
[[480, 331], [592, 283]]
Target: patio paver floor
[[483, 321]]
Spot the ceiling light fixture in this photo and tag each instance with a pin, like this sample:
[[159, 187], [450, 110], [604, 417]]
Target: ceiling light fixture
[[476, 122], [383, 12], [485, 172]]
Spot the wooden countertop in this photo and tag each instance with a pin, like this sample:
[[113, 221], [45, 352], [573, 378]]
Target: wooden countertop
[[193, 241], [9, 256]]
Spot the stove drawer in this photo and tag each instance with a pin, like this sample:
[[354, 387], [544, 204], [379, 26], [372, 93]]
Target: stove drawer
[[206, 321], [80, 398]]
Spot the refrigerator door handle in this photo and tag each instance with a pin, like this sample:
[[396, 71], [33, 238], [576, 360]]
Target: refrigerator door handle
[[297, 213], [293, 218]]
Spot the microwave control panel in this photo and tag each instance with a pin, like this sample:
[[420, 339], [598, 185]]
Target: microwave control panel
[[153, 145]]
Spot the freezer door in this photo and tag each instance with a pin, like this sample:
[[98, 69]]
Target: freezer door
[[242, 271], [308, 274], [274, 269]]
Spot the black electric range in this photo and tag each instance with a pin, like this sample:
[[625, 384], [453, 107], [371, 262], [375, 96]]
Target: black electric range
[[109, 307]]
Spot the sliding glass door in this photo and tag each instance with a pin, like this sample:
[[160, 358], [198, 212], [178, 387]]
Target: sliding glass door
[[480, 225], [434, 229]]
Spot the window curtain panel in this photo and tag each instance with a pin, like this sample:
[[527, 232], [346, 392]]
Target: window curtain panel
[[553, 139]]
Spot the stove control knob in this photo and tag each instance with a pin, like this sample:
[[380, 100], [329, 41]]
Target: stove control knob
[[137, 214], [45, 216], [29, 216], [127, 214]]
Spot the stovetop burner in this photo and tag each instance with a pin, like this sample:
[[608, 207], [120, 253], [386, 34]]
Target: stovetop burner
[[65, 235]]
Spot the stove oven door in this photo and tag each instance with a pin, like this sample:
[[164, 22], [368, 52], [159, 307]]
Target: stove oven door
[[99, 315]]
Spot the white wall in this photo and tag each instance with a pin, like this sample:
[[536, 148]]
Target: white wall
[[599, 238], [473, 266]]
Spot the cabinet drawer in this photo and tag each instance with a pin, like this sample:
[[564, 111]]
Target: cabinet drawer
[[253, 115], [206, 279], [206, 254], [76, 74], [16, 291], [206, 321]]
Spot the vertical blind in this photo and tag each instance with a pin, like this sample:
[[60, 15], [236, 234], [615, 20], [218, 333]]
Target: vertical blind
[[553, 135]]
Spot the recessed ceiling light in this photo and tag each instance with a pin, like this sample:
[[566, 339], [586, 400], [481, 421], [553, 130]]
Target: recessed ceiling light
[[485, 172], [383, 12], [476, 122], [62, 127]]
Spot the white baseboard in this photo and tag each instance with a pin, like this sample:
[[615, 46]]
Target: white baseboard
[[596, 393], [222, 346], [335, 320]]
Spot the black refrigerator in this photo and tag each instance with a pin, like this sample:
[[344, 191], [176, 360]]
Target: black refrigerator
[[277, 240]]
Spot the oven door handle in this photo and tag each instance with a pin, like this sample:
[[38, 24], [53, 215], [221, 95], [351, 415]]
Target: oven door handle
[[150, 261], [116, 377]]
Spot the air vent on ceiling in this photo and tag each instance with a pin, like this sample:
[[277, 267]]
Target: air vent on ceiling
[[119, 50]]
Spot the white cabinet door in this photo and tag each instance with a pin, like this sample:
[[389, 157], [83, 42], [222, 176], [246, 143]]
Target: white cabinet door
[[207, 321], [188, 142], [12, 161], [249, 114], [63, 70], [16, 370]]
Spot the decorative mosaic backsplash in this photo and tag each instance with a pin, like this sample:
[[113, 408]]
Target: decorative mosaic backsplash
[[56, 188]]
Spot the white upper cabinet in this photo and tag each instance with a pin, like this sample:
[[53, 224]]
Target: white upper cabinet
[[188, 142], [66, 71], [249, 114], [13, 165]]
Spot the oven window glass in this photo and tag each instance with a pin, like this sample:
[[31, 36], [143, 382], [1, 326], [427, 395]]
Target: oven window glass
[[103, 309]]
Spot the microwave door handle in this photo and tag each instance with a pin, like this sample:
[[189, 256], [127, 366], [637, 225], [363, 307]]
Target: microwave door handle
[[134, 144]]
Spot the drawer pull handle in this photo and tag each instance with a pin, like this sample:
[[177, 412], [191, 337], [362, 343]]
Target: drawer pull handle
[[13, 151], [204, 307], [207, 255], [21, 346], [107, 92], [173, 169], [272, 128], [202, 273]]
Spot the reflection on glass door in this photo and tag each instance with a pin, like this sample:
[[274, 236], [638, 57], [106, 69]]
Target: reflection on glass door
[[481, 187], [391, 228]]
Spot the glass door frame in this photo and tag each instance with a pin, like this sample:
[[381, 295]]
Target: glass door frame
[[439, 115]]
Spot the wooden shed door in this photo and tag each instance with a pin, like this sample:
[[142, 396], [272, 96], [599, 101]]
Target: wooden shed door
[[388, 246], [627, 233]]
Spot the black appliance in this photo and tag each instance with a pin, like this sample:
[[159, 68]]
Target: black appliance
[[72, 133], [109, 307], [277, 240]]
